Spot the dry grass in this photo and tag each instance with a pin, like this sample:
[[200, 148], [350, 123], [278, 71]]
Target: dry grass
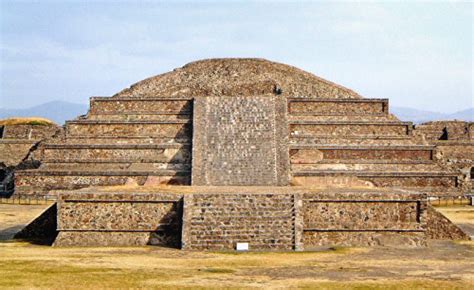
[[444, 264], [24, 265], [26, 121]]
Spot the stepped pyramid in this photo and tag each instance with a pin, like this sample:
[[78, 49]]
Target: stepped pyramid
[[162, 131]]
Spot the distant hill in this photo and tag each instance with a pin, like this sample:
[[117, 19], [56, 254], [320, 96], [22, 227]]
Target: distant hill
[[420, 116], [60, 111], [57, 111]]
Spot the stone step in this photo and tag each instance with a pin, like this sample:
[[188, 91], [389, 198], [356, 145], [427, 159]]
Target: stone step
[[123, 140], [118, 164], [140, 117], [347, 129], [308, 154], [355, 165], [337, 107], [171, 153], [345, 118], [412, 180], [264, 220], [132, 105], [158, 129], [39, 181], [354, 141]]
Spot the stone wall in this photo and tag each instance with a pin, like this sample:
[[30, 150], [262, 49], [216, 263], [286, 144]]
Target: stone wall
[[344, 107], [239, 141], [170, 129], [131, 153], [305, 155], [444, 130], [119, 219], [30, 132], [41, 182], [216, 218], [351, 129], [363, 218], [14, 151], [106, 105]]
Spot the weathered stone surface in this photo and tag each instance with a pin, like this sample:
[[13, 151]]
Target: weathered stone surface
[[236, 77], [340, 107], [40, 182], [111, 219], [14, 151], [170, 129], [364, 218], [105, 105], [440, 227], [239, 141], [444, 130], [28, 132], [249, 122], [216, 218], [155, 153], [343, 129], [217, 221]]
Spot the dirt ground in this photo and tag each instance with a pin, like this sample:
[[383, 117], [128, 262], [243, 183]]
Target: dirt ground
[[443, 264]]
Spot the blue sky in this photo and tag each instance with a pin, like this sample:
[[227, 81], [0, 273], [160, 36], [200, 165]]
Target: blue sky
[[418, 54]]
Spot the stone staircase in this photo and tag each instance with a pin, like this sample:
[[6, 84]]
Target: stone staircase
[[120, 141], [218, 221], [366, 143]]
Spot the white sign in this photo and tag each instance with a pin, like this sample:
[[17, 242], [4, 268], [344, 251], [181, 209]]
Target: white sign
[[242, 247]]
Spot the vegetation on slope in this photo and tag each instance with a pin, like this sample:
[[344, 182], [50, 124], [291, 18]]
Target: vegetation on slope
[[26, 121]]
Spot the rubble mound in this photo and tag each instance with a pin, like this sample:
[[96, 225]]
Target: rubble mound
[[236, 77]]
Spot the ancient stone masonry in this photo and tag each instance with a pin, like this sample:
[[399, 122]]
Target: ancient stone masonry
[[216, 218], [454, 147], [240, 141], [121, 141], [145, 135], [16, 142], [112, 219], [264, 153]]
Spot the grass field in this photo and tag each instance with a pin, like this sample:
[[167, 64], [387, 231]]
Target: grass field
[[444, 264]]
